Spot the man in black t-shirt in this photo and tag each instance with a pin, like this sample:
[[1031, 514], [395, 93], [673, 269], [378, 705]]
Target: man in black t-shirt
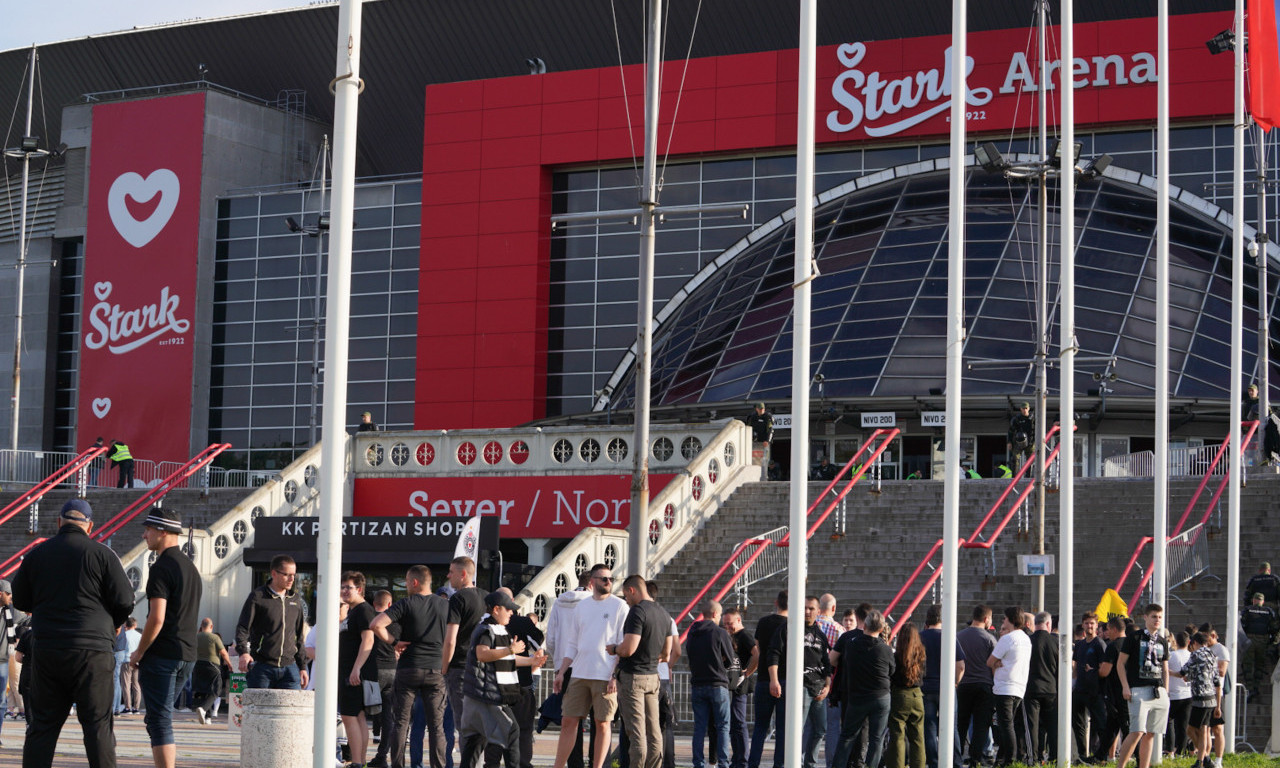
[[646, 640], [1086, 689], [1040, 702], [767, 706], [744, 644], [1143, 665], [1117, 709], [422, 617], [466, 608], [384, 658], [356, 664], [711, 657], [166, 660]]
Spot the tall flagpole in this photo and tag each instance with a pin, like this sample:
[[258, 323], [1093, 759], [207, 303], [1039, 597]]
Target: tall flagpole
[[1161, 486], [798, 552], [333, 432], [1067, 387], [1237, 370], [955, 346]]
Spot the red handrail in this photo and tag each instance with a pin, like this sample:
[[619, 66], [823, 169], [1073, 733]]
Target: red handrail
[[1252, 428], [36, 492], [12, 564], [973, 541], [763, 544], [158, 491]]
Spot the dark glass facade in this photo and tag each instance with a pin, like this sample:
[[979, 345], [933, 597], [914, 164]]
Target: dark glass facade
[[879, 306], [269, 301]]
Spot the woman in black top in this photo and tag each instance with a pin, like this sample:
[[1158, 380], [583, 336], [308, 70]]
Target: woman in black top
[[906, 702]]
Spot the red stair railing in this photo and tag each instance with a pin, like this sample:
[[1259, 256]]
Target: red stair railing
[[157, 492], [9, 566], [881, 439], [1251, 427], [975, 540]]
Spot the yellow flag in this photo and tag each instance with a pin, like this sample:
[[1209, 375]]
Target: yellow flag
[[1111, 605]]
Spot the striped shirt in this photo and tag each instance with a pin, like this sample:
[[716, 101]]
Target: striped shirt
[[829, 628], [493, 682]]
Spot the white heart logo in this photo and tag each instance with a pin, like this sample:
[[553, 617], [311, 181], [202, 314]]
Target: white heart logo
[[163, 182], [101, 407], [850, 54], [102, 290]]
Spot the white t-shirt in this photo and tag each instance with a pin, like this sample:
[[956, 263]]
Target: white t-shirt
[[1224, 657], [1179, 689], [593, 624], [664, 669], [1014, 652]]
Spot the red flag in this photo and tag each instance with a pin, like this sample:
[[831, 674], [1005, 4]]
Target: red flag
[[1264, 64]]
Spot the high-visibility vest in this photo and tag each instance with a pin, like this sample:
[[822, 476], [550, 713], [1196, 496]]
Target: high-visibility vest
[[121, 453], [973, 474], [1005, 472]]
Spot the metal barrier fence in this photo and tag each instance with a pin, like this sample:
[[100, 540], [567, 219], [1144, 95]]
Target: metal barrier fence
[[1188, 556], [1183, 462], [30, 467]]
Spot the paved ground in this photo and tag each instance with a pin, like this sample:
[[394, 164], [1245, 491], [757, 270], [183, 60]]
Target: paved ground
[[209, 746]]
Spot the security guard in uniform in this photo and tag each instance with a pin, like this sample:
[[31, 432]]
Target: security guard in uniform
[[1259, 623], [121, 457]]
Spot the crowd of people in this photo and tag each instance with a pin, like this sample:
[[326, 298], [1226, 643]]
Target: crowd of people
[[457, 665]]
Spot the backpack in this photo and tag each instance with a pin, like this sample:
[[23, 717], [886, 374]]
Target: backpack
[[1201, 673]]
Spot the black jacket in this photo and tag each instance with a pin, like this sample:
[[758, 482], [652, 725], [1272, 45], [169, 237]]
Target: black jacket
[[271, 628], [76, 590]]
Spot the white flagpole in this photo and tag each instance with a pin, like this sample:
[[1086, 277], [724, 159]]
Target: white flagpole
[[1067, 387], [955, 346], [798, 554], [333, 433], [1237, 373]]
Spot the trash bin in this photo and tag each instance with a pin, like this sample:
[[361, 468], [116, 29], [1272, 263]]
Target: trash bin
[[276, 731]]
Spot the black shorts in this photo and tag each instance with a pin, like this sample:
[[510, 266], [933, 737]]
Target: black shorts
[[1200, 716], [350, 700]]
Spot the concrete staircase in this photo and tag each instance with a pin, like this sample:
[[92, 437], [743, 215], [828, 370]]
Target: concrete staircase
[[197, 510], [888, 534]]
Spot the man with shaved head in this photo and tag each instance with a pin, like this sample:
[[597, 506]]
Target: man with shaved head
[[711, 657]]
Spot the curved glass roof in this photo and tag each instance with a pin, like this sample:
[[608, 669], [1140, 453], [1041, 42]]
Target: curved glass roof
[[879, 305]]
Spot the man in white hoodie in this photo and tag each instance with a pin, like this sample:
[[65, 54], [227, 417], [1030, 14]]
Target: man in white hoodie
[[558, 621], [595, 623]]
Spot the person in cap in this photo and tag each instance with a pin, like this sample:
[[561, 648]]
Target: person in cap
[[366, 423], [167, 652], [491, 685], [77, 594], [1259, 623]]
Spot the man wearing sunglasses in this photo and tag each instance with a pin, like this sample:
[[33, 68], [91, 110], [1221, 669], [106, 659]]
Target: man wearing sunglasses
[[270, 633], [590, 633]]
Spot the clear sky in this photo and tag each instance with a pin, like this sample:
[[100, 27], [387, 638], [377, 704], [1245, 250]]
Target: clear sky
[[27, 22]]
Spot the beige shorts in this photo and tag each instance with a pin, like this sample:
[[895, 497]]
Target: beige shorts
[[583, 696]]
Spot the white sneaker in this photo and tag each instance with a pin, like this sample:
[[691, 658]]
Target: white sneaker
[[200, 714]]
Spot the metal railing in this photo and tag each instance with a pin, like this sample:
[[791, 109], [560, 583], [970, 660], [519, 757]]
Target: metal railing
[[1212, 469], [77, 467], [1197, 461], [156, 493], [25, 467], [760, 557], [975, 540]]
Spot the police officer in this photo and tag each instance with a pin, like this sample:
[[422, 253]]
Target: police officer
[[121, 457], [1022, 432], [1259, 623]]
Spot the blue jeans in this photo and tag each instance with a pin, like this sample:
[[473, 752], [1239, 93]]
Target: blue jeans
[[813, 728], [870, 712], [4, 686], [932, 702], [710, 705], [160, 680], [266, 676], [122, 658], [765, 708]]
